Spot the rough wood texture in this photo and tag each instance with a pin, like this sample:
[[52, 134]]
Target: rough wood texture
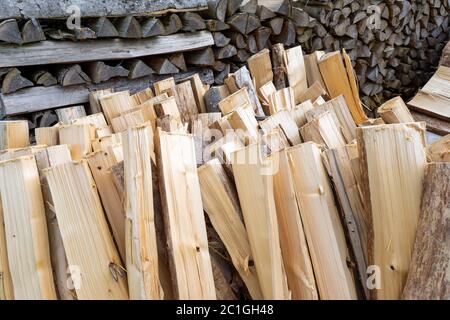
[[14, 134], [260, 68], [428, 274], [395, 111], [296, 73], [82, 224], [393, 161], [323, 229], [14, 81], [260, 220], [79, 137], [222, 206], [26, 230], [70, 114], [140, 230], [183, 218], [51, 52], [100, 71], [280, 79]]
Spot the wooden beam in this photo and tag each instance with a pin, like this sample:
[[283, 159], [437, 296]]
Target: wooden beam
[[427, 278], [392, 174], [26, 230], [82, 224], [42, 98], [140, 230], [260, 219], [51, 52], [183, 216]]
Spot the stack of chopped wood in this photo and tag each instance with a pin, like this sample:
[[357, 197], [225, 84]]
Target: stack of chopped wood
[[275, 185], [392, 45]]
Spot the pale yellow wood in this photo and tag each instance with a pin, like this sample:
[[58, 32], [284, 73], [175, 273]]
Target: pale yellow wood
[[14, 134], [47, 135], [199, 91], [287, 124], [275, 140], [296, 72], [312, 93], [243, 120], [323, 229], [323, 130], [119, 124], [114, 104], [260, 68], [89, 246], [184, 219], [395, 111], [222, 206], [26, 230], [6, 287], [265, 91], [70, 114], [187, 105], [298, 113], [167, 107], [165, 86], [79, 137], [142, 96], [439, 151], [104, 142], [103, 132], [97, 120], [94, 99], [100, 163], [254, 183], [140, 231], [237, 99], [294, 249], [281, 100], [338, 82], [393, 161], [312, 68]]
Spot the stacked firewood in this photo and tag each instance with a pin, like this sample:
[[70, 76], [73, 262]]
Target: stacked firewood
[[393, 44]]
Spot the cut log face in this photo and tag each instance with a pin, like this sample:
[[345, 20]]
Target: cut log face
[[100, 71], [153, 27], [173, 24], [217, 9], [216, 25], [103, 28], [72, 75], [203, 58], [32, 31], [9, 32], [192, 22], [178, 60], [185, 230], [129, 27], [138, 69], [162, 65], [392, 173], [44, 78], [72, 190], [14, 81], [427, 278]]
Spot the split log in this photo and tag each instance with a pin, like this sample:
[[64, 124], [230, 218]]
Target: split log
[[114, 104], [238, 22], [279, 66], [312, 68], [296, 72], [429, 281], [33, 280], [140, 230], [152, 27], [192, 22], [103, 28], [253, 23], [323, 229], [177, 59], [100, 163], [9, 32], [173, 24], [216, 25], [262, 38], [287, 36], [392, 174], [281, 100], [203, 57], [14, 81], [48, 136], [225, 52], [323, 130], [128, 27], [14, 134], [250, 6], [32, 31], [260, 220], [243, 120], [43, 78], [82, 223], [296, 257], [220, 40], [186, 102], [79, 137], [94, 99], [187, 224], [72, 75], [237, 99], [221, 204], [199, 91], [84, 33], [162, 65], [283, 120], [213, 96], [68, 115], [100, 71], [260, 68], [233, 6], [217, 9], [264, 13], [137, 69], [395, 111], [276, 25]]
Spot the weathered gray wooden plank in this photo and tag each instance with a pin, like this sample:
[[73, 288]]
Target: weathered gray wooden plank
[[42, 98], [57, 8], [51, 52]]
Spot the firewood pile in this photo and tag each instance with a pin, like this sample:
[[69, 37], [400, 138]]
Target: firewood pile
[[274, 185]]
